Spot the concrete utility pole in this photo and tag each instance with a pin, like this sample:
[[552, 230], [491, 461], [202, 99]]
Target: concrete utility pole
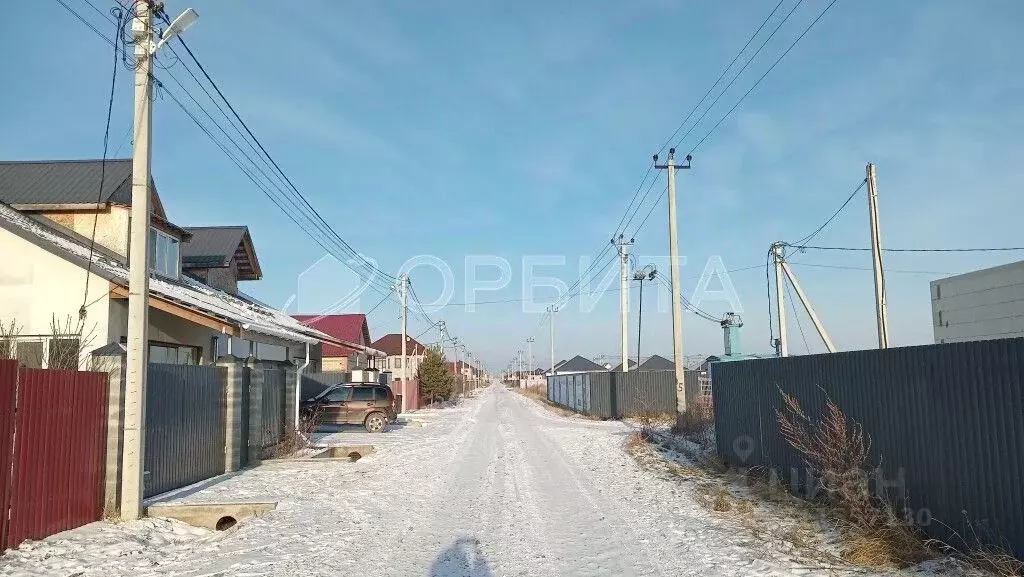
[[138, 271], [623, 247], [778, 257], [529, 354], [403, 291], [807, 307], [673, 252], [137, 359], [881, 304], [552, 310]]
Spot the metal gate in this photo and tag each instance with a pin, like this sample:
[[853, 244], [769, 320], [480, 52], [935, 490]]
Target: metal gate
[[273, 406], [53, 451], [185, 425]]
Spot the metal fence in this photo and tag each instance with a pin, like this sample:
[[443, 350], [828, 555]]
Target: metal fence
[[185, 425], [613, 395], [273, 406], [314, 383], [53, 426], [946, 422]]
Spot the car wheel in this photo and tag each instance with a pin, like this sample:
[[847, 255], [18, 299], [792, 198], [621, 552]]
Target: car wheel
[[375, 422]]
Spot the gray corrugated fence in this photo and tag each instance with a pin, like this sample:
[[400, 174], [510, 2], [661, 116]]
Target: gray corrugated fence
[[945, 421], [314, 383], [612, 395], [273, 406], [185, 425]]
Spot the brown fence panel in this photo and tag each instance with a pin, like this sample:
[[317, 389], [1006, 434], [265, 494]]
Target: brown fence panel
[[8, 390], [59, 453]]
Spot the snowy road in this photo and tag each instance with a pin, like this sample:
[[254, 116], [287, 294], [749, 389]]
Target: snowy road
[[497, 486]]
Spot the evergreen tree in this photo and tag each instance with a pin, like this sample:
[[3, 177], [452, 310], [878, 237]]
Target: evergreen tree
[[436, 379]]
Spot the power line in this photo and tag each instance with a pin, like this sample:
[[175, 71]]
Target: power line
[[858, 249], [103, 172], [745, 65], [809, 237], [799, 323], [759, 80], [867, 268]]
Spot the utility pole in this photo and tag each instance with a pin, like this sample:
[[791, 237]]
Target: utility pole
[[137, 360], [673, 252], [552, 310], [646, 273], [881, 304], [529, 354], [623, 247], [403, 291], [809, 308], [779, 257], [138, 271]]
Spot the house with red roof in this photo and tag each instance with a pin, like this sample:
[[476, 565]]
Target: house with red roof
[[391, 345], [347, 327]]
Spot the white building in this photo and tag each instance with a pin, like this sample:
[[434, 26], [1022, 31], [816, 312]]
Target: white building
[[980, 305]]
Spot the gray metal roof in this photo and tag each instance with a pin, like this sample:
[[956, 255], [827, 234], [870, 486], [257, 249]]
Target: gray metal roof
[[214, 246], [657, 363], [579, 364], [65, 182], [618, 368]]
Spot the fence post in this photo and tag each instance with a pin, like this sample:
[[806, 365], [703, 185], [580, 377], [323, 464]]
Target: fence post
[[256, 379], [233, 442], [290, 382], [115, 366]]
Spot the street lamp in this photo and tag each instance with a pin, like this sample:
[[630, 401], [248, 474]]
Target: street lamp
[[646, 273]]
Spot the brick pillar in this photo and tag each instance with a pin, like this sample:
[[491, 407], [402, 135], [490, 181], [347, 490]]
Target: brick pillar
[[290, 382], [255, 411], [233, 442], [114, 366]]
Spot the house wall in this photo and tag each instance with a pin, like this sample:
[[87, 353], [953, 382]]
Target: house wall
[[392, 362], [165, 327], [36, 286], [980, 305], [335, 364], [225, 279], [112, 225]]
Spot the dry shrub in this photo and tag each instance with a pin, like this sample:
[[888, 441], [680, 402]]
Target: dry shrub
[[722, 502], [294, 440], [995, 560], [636, 442], [696, 421], [836, 453]]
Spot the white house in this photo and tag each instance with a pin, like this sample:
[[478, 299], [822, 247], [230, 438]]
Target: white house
[[63, 295]]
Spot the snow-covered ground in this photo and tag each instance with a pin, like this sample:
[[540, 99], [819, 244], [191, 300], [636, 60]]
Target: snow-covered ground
[[495, 486]]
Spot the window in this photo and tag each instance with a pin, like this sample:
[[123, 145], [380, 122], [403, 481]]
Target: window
[[164, 256], [398, 362], [362, 393], [173, 354], [382, 393], [338, 395]]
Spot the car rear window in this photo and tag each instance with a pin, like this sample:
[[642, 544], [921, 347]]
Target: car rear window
[[383, 393], [362, 393]]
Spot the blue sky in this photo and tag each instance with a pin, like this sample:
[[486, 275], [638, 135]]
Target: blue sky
[[516, 129]]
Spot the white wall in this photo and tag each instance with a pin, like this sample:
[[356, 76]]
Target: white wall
[[980, 305], [35, 285]]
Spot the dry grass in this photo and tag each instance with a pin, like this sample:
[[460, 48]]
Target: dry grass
[[836, 453], [696, 421], [294, 440]]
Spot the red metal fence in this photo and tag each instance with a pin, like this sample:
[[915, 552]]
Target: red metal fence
[[57, 426]]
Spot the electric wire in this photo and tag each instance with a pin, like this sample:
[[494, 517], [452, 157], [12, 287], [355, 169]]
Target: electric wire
[[763, 76]]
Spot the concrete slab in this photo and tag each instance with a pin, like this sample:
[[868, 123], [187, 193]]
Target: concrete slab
[[215, 516]]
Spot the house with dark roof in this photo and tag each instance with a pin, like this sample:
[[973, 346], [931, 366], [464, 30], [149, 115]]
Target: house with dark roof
[[220, 256], [629, 362], [347, 327], [656, 363], [578, 364], [391, 345], [55, 270]]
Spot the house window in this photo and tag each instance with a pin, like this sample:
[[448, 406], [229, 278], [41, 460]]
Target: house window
[[29, 354], [398, 362], [173, 354], [164, 253]]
